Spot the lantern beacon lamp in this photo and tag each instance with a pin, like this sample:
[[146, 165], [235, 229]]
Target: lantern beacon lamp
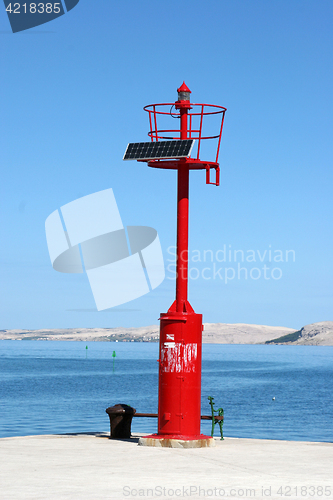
[[179, 394]]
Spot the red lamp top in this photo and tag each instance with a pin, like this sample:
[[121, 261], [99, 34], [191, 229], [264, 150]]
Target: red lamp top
[[184, 88], [184, 94]]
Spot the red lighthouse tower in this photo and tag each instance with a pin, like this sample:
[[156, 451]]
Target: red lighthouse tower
[[179, 396]]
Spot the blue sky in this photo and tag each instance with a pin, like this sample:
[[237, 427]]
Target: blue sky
[[72, 93]]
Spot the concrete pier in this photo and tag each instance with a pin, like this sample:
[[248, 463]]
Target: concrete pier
[[91, 466]]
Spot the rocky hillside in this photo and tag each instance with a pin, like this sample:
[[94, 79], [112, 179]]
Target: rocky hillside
[[241, 333], [315, 334], [142, 334], [214, 333]]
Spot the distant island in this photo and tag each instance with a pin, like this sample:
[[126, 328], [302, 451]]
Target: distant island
[[214, 333]]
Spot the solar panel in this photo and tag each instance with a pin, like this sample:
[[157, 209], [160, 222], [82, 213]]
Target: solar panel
[[158, 150]]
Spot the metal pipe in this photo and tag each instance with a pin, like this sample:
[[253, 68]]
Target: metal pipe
[[182, 221]]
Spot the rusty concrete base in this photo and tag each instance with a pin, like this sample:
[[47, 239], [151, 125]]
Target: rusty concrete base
[[175, 441]]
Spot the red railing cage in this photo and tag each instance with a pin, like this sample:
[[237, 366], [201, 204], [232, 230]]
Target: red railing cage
[[196, 129]]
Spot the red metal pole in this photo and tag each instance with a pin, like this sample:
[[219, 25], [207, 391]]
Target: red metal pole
[[182, 222]]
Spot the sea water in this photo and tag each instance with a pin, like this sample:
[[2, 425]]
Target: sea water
[[266, 391]]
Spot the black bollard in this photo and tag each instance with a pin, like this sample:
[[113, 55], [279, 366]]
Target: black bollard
[[120, 420]]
